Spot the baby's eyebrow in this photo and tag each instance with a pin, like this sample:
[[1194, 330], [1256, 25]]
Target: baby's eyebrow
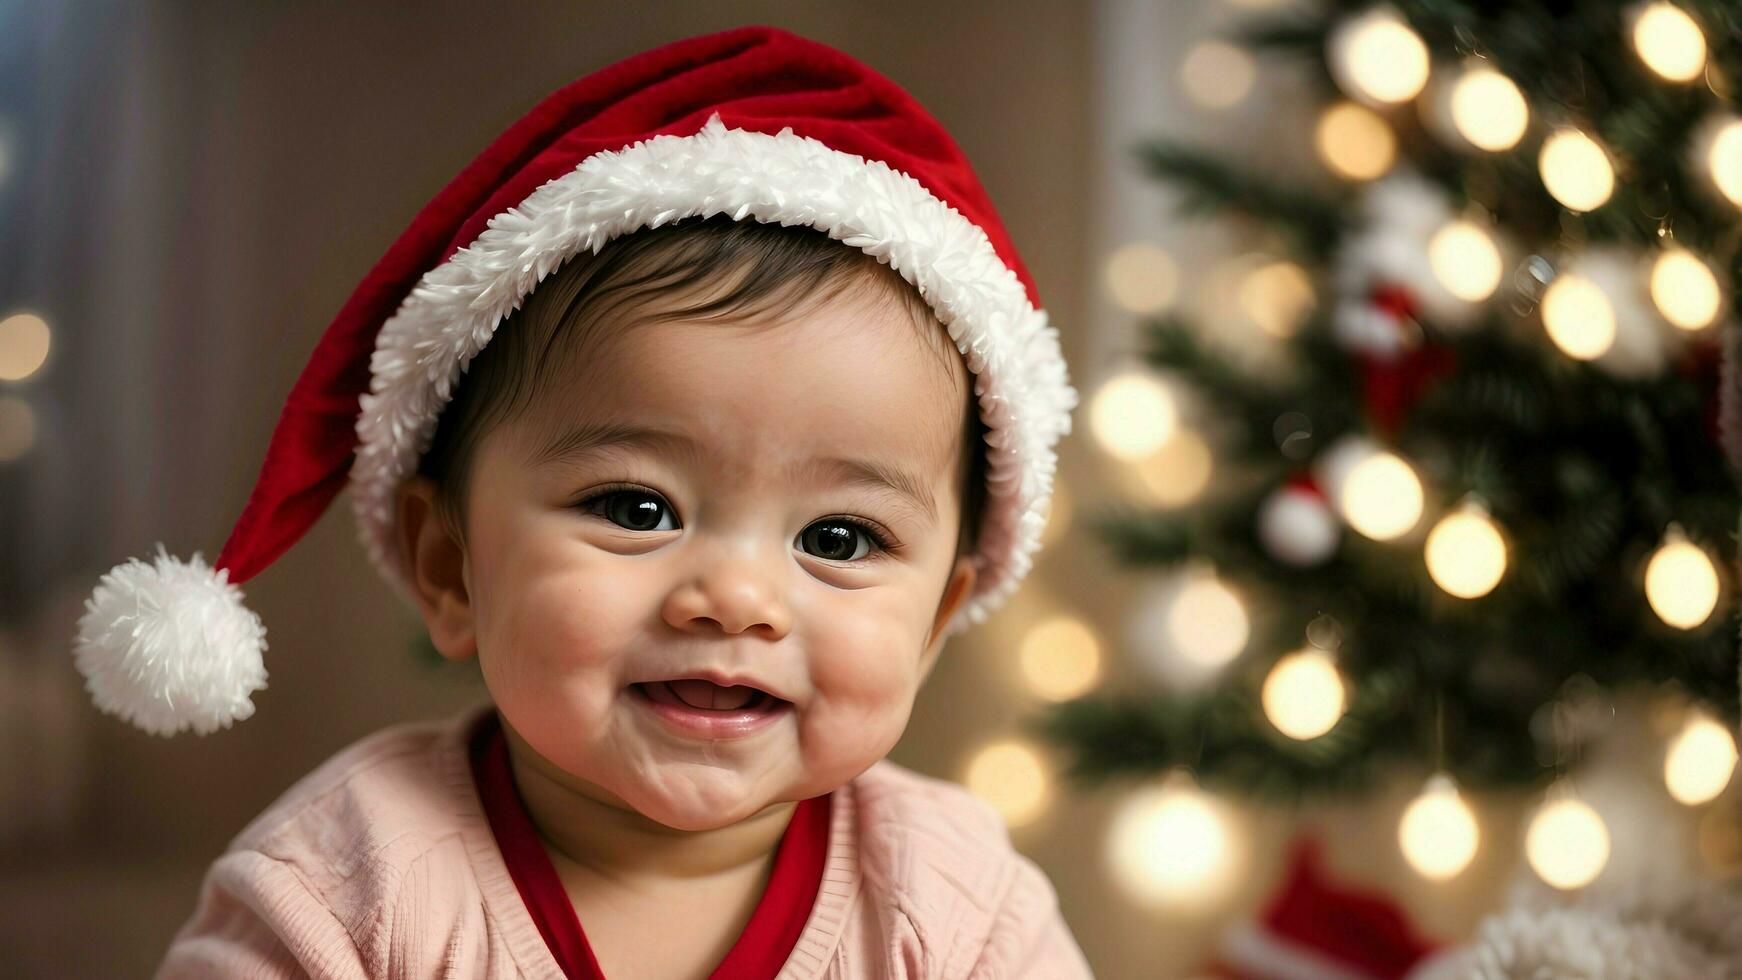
[[586, 438]]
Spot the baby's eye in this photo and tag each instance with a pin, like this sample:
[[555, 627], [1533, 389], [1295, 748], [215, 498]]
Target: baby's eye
[[837, 538], [634, 510]]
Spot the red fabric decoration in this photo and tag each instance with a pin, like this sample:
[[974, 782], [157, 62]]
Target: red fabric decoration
[[1392, 384], [1702, 362], [757, 78], [762, 948], [1314, 920]]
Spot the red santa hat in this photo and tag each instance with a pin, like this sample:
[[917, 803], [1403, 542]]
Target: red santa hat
[[754, 122], [1316, 928]]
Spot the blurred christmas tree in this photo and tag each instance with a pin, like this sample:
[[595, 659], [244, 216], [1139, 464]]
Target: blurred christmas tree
[[1489, 486]]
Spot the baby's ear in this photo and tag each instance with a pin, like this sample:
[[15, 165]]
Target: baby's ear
[[956, 591], [436, 564]]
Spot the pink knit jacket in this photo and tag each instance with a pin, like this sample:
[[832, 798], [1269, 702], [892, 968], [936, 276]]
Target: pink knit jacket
[[380, 863]]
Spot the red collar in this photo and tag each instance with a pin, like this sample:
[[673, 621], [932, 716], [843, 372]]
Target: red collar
[[767, 940]]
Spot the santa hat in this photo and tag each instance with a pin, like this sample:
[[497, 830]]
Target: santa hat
[[1317, 929], [754, 122]]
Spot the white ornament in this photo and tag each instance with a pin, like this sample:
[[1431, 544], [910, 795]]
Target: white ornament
[[1643, 343], [1400, 215], [1297, 526]]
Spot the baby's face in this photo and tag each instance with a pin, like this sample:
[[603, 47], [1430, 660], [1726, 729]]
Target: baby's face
[[722, 537]]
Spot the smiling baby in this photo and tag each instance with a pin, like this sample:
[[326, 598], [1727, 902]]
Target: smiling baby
[[701, 409]]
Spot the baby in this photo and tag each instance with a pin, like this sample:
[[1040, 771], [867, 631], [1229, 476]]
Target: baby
[[702, 408]]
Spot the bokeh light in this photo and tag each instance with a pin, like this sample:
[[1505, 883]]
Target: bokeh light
[[1567, 843], [1304, 695], [1465, 554], [1172, 847], [1489, 110], [1578, 317], [1684, 289], [1700, 761], [1010, 776], [1681, 583], [1377, 57], [1132, 415], [1381, 497], [1354, 141], [1438, 833], [1725, 159], [1276, 296], [1142, 278], [1061, 658], [1176, 473], [24, 344], [1670, 42], [1576, 170], [17, 428], [1216, 74], [1207, 622], [1465, 260]]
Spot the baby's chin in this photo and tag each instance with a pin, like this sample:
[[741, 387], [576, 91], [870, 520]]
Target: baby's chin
[[694, 797]]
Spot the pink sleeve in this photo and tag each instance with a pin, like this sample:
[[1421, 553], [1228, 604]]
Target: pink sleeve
[[256, 918], [1029, 939]]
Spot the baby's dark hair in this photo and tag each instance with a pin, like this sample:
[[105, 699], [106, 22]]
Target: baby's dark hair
[[782, 267]]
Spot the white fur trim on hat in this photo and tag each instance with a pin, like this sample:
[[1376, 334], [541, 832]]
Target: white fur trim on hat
[[170, 645], [1025, 396]]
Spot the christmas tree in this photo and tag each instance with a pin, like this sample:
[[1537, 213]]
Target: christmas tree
[[1487, 490]]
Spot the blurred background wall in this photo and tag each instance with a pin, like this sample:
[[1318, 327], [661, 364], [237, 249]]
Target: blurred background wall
[[188, 194]]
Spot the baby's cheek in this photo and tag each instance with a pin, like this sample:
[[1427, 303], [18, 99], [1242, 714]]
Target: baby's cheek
[[864, 677], [554, 641]]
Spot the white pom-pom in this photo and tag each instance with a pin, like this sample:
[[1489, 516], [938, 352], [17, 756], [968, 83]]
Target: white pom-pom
[[170, 645]]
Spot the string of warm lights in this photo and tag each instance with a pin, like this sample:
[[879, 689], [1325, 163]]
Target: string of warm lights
[[1173, 844]]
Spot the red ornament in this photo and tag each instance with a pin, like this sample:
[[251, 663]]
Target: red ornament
[[1391, 383]]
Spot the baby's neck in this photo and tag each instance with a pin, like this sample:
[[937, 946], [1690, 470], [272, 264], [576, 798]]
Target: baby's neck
[[590, 827]]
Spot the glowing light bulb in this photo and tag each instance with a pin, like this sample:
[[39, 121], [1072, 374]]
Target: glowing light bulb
[[1684, 289], [1012, 778], [1381, 497], [1576, 170], [1172, 846], [1303, 695], [1489, 110], [1725, 159], [1354, 142], [1700, 761], [1206, 622], [24, 343], [17, 428], [1142, 278], [1567, 843], [1376, 56], [1669, 42], [1132, 416], [1061, 658], [1177, 472], [1681, 583], [1216, 74], [1438, 832], [1578, 317], [1465, 260], [1276, 296], [1465, 554]]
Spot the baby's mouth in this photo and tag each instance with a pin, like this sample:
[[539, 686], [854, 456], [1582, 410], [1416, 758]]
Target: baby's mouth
[[708, 696]]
